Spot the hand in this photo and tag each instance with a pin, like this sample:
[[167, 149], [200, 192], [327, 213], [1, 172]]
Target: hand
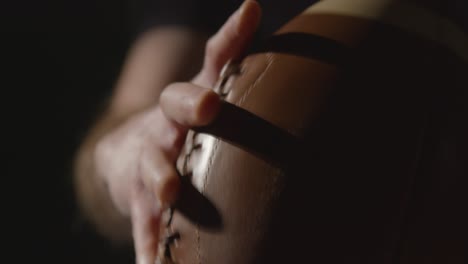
[[137, 160]]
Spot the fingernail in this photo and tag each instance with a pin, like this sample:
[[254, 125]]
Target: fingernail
[[208, 105], [166, 189], [241, 10], [243, 5]]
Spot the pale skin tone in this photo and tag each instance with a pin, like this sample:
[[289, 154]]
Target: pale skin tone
[[125, 170]]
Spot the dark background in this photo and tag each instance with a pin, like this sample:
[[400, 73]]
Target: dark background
[[59, 62]]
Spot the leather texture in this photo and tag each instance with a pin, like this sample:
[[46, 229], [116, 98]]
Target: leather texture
[[321, 159]]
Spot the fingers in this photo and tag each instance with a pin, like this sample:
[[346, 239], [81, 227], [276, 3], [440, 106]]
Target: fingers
[[229, 42], [189, 105], [160, 148], [160, 177], [155, 141], [145, 218]]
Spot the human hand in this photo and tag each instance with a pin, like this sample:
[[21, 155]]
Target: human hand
[[137, 160]]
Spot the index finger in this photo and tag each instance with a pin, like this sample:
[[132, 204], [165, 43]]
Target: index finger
[[189, 105]]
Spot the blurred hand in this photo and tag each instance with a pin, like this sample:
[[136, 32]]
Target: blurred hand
[[137, 160]]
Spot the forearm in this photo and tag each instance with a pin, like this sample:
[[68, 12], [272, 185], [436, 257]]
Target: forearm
[[159, 57]]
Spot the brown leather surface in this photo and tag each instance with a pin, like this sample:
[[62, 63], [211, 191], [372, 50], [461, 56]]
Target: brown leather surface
[[257, 136], [355, 193]]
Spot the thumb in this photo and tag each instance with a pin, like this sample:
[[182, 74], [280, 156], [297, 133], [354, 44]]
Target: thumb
[[229, 42]]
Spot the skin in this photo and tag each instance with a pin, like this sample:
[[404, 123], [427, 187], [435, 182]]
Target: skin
[[125, 171]]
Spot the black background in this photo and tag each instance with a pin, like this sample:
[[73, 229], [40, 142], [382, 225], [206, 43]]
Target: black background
[[59, 62]]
